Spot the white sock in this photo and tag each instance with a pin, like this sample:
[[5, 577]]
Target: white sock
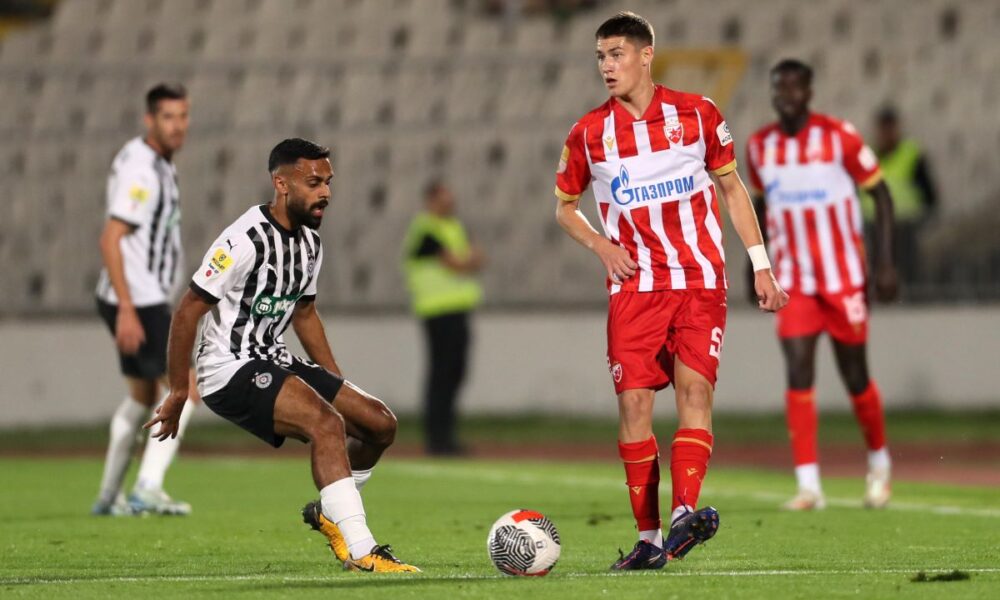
[[157, 456], [342, 504], [361, 477], [808, 477], [879, 460], [653, 536], [679, 512], [125, 424]]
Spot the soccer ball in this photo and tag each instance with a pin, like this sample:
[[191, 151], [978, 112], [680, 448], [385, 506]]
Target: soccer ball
[[523, 542]]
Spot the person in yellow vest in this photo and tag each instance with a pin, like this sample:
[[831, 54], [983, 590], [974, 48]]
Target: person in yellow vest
[[440, 264], [906, 172]]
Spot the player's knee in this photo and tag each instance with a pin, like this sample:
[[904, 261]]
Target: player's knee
[[695, 396], [385, 429], [635, 404], [329, 425]]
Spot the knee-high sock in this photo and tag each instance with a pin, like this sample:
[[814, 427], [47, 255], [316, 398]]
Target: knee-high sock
[[157, 456], [800, 413], [642, 475], [871, 419], [125, 425], [689, 454]]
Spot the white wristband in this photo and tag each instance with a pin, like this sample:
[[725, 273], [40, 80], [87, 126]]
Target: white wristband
[[758, 257]]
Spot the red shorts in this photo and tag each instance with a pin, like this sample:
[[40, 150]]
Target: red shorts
[[646, 330], [843, 315]]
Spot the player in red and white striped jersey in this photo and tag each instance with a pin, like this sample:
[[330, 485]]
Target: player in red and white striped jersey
[[805, 170], [659, 161]]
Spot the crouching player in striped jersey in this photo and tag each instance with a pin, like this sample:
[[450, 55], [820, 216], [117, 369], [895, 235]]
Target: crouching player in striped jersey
[[657, 158], [259, 277], [805, 169]]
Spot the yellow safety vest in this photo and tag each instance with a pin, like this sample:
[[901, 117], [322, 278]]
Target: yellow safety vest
[[898, 169], [434, 288]]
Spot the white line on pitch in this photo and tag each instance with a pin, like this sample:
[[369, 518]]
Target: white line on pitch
[[334, 579], [483, 474]]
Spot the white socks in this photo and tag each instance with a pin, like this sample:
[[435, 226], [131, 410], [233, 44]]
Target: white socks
[[158, 455], [878, 460], [679, 512], [653, 536], [125, 424], [808, 477], [341, 503], [361, 477]]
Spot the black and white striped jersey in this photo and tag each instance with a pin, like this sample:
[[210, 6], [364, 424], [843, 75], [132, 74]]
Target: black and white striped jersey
[[254, 274], [142, 191]]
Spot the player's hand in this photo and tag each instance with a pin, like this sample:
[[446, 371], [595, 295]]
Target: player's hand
[[129, 334], [168, 415], [886, 283], [770, 296], [616, 260]]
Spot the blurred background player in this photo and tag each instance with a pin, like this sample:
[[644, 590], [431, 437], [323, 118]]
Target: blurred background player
[[657, 158], [258, 278], [906, 170], [439, 264], [141, 251], [805, 169]]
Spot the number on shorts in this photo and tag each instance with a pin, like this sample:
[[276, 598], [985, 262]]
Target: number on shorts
[[715, 348], [854, 307]]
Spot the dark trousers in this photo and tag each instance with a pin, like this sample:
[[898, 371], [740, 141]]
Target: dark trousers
[[448, 339]]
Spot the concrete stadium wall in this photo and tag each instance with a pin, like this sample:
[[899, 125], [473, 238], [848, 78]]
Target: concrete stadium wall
[[62, 372]]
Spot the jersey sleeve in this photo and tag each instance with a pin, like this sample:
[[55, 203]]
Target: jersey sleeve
[[859, 160], [310, 292], [573, 173], [720, 152], [225, 266], [756, 185], [132, 195]]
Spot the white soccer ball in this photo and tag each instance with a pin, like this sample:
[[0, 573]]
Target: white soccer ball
[[523, 542]]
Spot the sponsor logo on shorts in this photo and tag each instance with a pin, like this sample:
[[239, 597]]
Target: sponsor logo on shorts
[[262, 380]]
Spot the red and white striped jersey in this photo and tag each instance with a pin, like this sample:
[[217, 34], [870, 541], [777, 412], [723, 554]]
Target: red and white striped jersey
[[809, 183], [652, 186]]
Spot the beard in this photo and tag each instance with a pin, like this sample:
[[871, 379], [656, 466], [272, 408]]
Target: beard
[[301, 213]]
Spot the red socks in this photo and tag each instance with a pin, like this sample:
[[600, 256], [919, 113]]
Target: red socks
[[800, 412], [871, 419], [689, 456], [642, 474]]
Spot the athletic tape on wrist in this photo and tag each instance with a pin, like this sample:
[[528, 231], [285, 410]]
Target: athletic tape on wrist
[[758, 257]]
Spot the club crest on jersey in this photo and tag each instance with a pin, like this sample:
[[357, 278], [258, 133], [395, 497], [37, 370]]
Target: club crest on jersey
[[311, 263], [673, 129]]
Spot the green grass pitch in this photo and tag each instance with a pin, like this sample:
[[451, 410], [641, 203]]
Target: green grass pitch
[[246, 539]]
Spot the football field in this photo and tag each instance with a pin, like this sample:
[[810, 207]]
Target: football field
[[246, 538]]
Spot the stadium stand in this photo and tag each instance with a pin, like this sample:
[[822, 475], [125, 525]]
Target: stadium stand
[[406, 90]]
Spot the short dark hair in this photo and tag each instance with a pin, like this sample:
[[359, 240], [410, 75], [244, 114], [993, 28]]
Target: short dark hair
[[887, 115], [164, 91], [629, 25], [289, 151], [793, 65]]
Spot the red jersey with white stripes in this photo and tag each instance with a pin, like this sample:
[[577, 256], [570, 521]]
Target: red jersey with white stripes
[[652, 186], [809, 182]]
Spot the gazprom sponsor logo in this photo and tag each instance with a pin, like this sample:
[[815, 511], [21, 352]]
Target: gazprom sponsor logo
[[774, 192], [625, 195]]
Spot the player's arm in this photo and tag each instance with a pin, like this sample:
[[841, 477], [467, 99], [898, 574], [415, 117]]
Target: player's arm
[[770, 296], [760, 208], [310, 331], [886, 279], [129, 334], [616, 260], [183, 331]]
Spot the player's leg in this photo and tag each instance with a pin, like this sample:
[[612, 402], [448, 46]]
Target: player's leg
[[866, 400], [300, 412], [802, 420], [637, 372], [125, 425]]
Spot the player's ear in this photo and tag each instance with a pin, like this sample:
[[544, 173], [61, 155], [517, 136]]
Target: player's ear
[[148, 120], [280, 182], [647, 55]]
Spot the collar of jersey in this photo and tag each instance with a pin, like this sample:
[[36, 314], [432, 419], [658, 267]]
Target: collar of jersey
[[626, 117], [270, 219]]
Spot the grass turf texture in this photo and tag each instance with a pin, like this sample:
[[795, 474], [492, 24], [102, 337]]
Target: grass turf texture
[[246, 539]]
